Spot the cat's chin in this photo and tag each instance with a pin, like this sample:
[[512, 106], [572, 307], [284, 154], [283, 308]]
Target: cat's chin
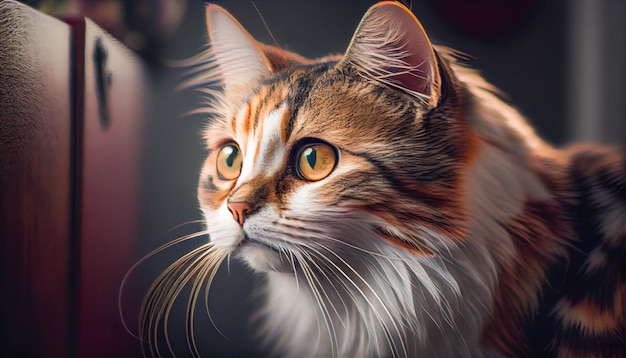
[[262, 258]]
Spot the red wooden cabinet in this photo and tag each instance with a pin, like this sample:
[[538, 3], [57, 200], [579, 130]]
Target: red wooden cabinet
[[72, 113], [35, 181]]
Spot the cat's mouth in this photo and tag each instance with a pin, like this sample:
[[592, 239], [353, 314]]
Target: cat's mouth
[[250, 241], [262, 256]]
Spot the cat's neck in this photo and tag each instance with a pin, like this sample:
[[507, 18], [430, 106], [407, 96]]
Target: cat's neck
[[514, 196]]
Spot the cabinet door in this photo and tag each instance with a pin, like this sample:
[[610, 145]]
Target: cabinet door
[[72, 104], [109, 166], [35, 183]]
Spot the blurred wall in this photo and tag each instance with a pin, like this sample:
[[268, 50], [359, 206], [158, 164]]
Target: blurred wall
[[596, 85]]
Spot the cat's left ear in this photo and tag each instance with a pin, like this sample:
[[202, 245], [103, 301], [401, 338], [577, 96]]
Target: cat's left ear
[[391, 47], [239, 57]]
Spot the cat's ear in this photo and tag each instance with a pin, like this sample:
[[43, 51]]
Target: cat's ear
[[239, 57], [390, 46]]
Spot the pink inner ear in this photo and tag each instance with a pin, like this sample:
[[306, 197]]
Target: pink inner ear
[[419, 54], [391, 46], [420, 79]]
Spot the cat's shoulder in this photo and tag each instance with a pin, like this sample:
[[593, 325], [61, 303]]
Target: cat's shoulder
[[598, 176], [591, 314]]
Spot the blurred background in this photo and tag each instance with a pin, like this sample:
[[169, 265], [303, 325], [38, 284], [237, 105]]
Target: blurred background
[[560, 62]]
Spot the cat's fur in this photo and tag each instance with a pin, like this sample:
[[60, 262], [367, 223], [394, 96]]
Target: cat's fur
[[447, 227]]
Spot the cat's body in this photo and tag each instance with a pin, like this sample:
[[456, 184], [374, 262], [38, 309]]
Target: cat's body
[[441, 225]]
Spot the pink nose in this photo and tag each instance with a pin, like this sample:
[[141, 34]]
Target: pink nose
[[239, 210]]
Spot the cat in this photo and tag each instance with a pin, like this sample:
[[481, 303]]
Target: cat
[[394, 205]]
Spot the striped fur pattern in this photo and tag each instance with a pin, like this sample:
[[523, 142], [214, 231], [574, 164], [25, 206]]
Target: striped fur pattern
[[447, 228]]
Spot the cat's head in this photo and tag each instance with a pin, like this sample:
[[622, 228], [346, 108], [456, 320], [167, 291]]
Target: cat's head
[[337, 156]]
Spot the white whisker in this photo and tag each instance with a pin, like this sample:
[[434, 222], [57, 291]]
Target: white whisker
[[141, 261]]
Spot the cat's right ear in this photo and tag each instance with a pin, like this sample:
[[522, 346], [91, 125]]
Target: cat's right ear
[[240, 60]]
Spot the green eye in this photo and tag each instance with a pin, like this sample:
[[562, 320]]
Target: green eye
[[229, 161], [316, 161]]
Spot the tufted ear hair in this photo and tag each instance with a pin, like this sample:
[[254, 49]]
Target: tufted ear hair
[[391, 47], [240, 59]]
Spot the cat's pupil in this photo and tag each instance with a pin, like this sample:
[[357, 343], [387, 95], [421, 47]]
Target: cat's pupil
[[230, 159], [311, 157]]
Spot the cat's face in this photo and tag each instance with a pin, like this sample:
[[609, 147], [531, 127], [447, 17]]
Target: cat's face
[[332, 156]]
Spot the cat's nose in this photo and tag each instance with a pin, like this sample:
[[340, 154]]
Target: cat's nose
[[239, 210]]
